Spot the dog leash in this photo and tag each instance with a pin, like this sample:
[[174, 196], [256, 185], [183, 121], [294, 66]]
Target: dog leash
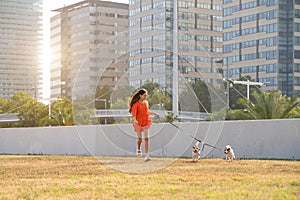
[[187, 133]]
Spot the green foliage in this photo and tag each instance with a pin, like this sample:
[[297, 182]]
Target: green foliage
[[295, 113], [237, 91], [102, 97], [269, 105], [5, 106], [120, 104], [121, 94], [170, 117], [61, 112], [31, 112], [83, 115], [151, 87], [217, 97], [159, 100], [217, 116], [238, 114], [196, 99]]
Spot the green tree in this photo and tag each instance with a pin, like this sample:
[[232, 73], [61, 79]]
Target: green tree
[[5, 106], [120, 97], [102, 97], [217, 116], [122, 93], [151, 87], [159, 100], [170, 117], [83, 115], [268, 105], [157, 96], [196, 98], [61, 112], [237, 91], [295, 113], [120, 104], [31, 112]]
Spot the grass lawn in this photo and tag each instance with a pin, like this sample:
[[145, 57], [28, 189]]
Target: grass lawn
[[84, 177]]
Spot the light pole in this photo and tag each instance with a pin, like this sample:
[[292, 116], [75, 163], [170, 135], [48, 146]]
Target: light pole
[[49, 106], [105, 107], [248, 83], [228, 84], [175, 61]]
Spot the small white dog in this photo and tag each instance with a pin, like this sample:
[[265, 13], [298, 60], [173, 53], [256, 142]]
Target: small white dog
[[196, 152], [229, 153]]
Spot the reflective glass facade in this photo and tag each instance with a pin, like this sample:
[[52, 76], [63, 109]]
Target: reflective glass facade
[[21, 43], [261, 39], [77, 33], [152, 31]]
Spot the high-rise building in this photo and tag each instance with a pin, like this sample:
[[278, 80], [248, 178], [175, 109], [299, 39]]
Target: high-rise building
[[199, 39], [262, 39], [78, 63], [171, 39], [21, 44]]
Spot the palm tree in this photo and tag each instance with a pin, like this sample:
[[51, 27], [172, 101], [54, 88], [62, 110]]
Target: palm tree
[[61, 112], [269, 105]]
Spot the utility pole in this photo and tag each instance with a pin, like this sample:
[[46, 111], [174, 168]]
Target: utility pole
[[228, 84], [105, 108], [175, 62], [248, 83]]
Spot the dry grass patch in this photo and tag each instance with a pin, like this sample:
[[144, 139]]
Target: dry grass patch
[[82, 177]]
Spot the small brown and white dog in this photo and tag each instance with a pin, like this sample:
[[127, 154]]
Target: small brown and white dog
[[229, 153], [196, 152]]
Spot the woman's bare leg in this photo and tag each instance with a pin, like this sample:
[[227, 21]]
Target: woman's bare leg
[[146, 139], [139, 142]]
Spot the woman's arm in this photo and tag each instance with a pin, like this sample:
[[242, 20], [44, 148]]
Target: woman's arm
[[134, 113], [149, 112], [153, 113], [134, 120]]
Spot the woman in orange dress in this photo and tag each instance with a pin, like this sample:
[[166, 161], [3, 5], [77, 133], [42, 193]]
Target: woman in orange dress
[[139, 108]]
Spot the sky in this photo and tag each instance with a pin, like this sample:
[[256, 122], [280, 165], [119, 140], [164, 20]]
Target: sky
[[47, 14]]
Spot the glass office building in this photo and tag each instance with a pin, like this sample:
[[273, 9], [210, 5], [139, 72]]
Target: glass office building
[[21, 44], [78, 64], [261, 39], [160, 29]]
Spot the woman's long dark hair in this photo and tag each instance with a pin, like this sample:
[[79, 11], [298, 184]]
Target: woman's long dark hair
[[135, 97]]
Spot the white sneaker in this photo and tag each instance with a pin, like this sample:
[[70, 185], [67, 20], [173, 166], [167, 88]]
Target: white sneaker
[[139, 153], [147, 158]]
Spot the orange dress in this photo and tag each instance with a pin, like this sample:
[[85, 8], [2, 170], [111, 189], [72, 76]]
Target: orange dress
[[141, 112]]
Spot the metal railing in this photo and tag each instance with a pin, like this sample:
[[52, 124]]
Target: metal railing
[[9, 118], [124, 113]]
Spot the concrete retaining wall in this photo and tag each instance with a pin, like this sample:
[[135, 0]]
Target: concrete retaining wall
[[279, 139]]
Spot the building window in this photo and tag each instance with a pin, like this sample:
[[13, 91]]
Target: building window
[[297, 27], [297, 54], [297, 81], [227, 1], [297, 68]]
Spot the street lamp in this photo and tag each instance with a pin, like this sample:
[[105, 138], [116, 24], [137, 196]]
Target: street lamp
[[175, 62], [49, 106], [224, 79], [248, 83], [105, 106], [228, 84]]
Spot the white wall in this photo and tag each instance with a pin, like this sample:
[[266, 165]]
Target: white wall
[[250, 139]]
